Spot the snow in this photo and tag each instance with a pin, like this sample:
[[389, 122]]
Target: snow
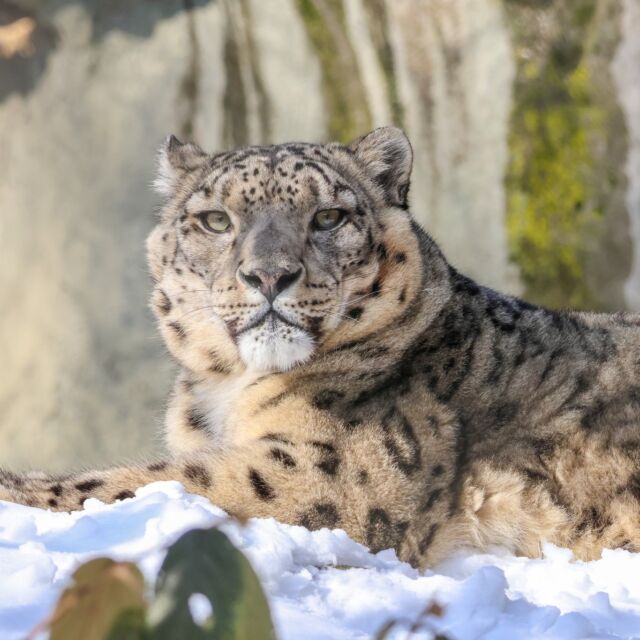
[[322, 585]]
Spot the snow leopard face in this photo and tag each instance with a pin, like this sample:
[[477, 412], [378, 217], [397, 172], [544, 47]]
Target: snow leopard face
[[265, 254]]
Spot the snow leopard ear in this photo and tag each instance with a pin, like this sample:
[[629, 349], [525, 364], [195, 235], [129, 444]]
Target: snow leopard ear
[[387, 155], [175, 160]]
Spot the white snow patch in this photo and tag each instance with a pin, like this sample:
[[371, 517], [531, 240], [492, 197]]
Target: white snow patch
[[312, 595]]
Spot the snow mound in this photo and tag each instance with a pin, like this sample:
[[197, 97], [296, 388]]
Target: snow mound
[[322, 584]]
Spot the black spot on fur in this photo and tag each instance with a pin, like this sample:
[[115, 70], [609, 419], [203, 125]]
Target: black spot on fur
[[355, 313], [178, 329], [276, 437], [326, 398], [593, 520], [89, 485], [382, 532], [196, 419], [281, 456], [432, 498], [52, 502], [157, 466], [164, 304], [123, 495], [634, 486], [314, 325], [273, 401], [262, 489], [198, 474], [437, 471], [56, 489], [401, 442], [426, 541], [330, 459], [504, 413], [621, 409], [322, 514], [465, 285]]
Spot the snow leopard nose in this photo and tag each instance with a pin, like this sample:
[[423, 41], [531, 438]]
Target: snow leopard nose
[[270, 283]]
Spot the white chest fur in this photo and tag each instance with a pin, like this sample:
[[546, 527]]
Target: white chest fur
[[217, 401]]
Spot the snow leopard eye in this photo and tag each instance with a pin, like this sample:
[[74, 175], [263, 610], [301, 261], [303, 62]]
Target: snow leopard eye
[[328, 219], [215, 221]]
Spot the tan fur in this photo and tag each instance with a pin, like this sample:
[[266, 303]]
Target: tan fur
[[379, 391]]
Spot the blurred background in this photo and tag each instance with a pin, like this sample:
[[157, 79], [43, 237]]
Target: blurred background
[[524, 116]]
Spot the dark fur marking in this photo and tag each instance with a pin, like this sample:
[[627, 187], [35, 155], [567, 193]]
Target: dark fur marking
[[52, 502], [428, 504], [178, 329], [56, 489], [330, 461], [198, 474], [437, 471], [196, 419], [274, 401], [281, 456], [593, 520], [504, 413], [355, 313], [157, 466], [426, 541], [633, 486], [262, 489], [382, 532], [89, 485], [534, 475], [401, 442], [622, 410], [276, 437], [123, 495], [321, 515], [164, 305], [326, 398]]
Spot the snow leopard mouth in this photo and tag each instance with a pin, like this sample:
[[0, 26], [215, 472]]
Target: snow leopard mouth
[[270, 316]]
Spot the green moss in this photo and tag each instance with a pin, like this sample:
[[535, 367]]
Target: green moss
[[553, 211], [343, 91]]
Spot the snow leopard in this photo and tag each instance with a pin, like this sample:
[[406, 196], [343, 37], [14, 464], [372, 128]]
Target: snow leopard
[[335, 370]]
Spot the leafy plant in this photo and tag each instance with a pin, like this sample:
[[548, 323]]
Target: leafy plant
[[107, 599]]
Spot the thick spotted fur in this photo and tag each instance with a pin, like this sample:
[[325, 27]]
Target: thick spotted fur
[[352, 378]]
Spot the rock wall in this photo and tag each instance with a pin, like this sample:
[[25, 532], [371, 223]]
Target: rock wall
[[523, 115]]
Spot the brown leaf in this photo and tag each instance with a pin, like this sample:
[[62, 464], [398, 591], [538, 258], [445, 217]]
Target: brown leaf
[[103, 589]]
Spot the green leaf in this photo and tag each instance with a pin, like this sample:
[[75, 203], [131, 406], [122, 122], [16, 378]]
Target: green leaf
[[205, 562], [102, 592]]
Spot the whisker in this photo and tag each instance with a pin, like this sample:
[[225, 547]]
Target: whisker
[[187, 313]]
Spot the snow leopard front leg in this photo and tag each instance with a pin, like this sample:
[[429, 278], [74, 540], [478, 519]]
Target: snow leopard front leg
[[269, 477]]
